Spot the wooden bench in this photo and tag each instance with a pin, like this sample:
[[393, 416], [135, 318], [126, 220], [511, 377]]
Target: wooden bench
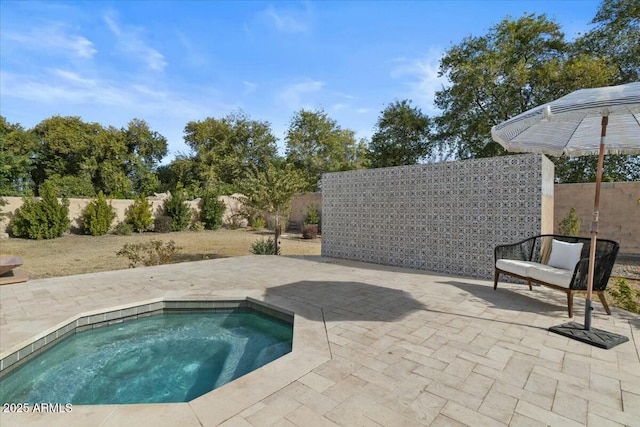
[[7, 273], [533, 260]]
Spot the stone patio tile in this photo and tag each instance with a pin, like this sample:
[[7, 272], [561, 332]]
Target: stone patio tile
[[612, 400], [547, 417], [597, 420], [631, 402], [401, 369], [345, 388], [466, 416], [283, 422], [236, 421], [316, 401], [376, 377], [316, 382], [618, 416], [273, 411], [570, 406], [438, 376], [336, 369], [477, 385], [388, 418], [499, 406], [425, 408], [543, 401], [444, 421], [305, 417], [519, 420], [350, 409], [455, 395], [541, 384]]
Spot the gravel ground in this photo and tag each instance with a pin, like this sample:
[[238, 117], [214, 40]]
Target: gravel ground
[[627, 266]]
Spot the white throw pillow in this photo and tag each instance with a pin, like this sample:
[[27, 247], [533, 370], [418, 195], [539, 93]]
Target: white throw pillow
[[565, 255]]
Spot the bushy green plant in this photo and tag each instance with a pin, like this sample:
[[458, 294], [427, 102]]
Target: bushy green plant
[[162, 224], [197, 226], [139, 214], [154, 252], [570, 225], [72, 186], [123, 229], [44, 219], [97, 216], [312, 216], [310, 231], [211, 210], [177, 208], [625, 297], [264, 247], [257, 222], [3, 203]]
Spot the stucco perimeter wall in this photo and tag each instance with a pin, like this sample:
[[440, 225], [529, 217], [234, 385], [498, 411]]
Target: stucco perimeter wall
[[76, 206], [445, 217], [619, 211]]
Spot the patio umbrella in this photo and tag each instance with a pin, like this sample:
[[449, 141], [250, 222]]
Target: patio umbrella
[[599, 121]]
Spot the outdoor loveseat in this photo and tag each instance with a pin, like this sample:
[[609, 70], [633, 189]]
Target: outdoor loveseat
[[559, 262]]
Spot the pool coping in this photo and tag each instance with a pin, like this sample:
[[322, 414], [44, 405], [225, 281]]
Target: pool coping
[[309, 350]]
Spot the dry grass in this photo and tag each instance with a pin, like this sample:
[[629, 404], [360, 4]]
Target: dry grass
[[77, 254]]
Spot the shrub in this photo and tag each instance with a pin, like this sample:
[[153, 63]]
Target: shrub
[[312, 216], [310, 231], [72, 186], [123, 229], [257, 222], [211, 210], [177, 208], [44, 219], [625, 297], [570, 225], [197, 226], [155, 252], [162, 224], [3, 203], [264, 247], [139, 214], [97, 216]]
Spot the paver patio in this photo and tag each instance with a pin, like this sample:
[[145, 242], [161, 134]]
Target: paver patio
[[373, 346]]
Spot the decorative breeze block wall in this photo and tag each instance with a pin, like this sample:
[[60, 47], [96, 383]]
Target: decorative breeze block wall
[[444, 217]]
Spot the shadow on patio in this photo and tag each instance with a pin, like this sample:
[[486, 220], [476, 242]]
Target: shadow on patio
[[350, 300]]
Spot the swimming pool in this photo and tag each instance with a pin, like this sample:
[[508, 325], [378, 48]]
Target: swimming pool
[[167, 357]]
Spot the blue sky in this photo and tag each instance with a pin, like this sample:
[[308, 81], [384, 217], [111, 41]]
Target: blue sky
[[172, 62]]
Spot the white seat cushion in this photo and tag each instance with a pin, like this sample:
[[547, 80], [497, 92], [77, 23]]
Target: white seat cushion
[[515, 266], [552, 275], [565, 255]]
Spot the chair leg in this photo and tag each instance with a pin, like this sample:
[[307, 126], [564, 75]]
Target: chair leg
[[495, 280], [529, 283], [570, 303], [603, 300]]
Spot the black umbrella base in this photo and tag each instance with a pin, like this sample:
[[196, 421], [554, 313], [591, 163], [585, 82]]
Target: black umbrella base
[[596, 337]]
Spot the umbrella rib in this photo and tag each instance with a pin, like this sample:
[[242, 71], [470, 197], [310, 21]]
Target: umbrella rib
[[574, 132]]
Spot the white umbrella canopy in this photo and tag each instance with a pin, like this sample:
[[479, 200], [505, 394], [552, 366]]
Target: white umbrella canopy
[[571, 125], [599, 121]]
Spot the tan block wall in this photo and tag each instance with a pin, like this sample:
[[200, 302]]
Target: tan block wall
[[299, 206], [234, 206], [619, 211]]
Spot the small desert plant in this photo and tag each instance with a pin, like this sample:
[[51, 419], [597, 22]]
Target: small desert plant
[[162, 224], [154, 252], [625, 297], [97, 216], [264, 247], [211, 210], [44, 219], [197, 226], [123, 229], [570, 225], [257, 222], [312, 216], [139, 214], [310, 231], [177, 208]]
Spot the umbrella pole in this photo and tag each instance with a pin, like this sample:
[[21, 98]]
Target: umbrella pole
[[594, 225]]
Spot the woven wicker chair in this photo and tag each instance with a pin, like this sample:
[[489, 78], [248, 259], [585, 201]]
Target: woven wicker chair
[[533, 253]]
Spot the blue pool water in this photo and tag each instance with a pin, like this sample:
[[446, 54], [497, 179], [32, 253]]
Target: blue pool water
[[162, 358]]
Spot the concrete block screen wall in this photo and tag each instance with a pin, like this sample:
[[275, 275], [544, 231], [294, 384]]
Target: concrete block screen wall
[[444, 217]]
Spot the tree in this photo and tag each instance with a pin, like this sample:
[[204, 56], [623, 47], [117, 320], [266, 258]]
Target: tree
[[615, 38], [516, 66], [317, 144], [226, 149], [16, 146], [145, 149], [401, 137]]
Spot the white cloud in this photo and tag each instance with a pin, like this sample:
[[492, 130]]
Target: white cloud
[[249, 87], [292, 95], [362, 110], [422, 77], [131, 42], [288, 21], [53, 38]]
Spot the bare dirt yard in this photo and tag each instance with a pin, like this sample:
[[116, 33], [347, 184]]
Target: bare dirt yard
[[76, 254]]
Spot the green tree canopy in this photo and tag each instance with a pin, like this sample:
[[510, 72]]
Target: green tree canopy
[[225, 149], [401, 136], [518, 65], [316, 144], [16, 147]]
